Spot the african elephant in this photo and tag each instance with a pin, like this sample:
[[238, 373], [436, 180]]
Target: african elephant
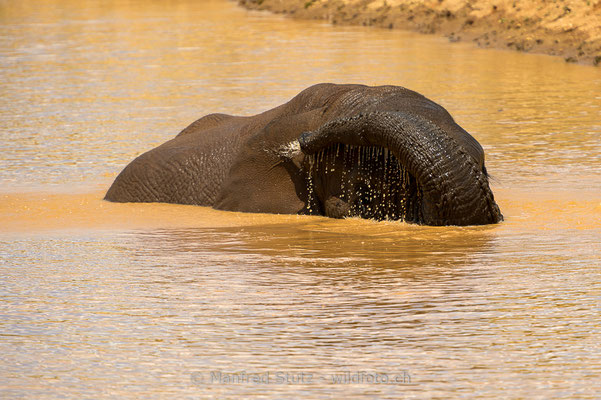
[[382, 152]]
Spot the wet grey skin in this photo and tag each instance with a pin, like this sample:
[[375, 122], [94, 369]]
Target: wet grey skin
[[384, 153]]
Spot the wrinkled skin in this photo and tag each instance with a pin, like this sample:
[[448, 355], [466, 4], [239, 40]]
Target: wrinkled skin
[[337, 150]]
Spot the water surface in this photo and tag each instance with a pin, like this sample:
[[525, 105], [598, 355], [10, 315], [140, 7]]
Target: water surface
[[147, 300]]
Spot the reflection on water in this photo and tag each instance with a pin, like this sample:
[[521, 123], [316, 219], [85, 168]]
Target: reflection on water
[[142, 313], [145, 300]]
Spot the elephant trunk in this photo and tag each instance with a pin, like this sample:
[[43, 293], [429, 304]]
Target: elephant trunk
[[452, 184]]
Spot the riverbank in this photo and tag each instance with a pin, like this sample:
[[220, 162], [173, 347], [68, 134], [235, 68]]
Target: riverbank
[[570, 28]]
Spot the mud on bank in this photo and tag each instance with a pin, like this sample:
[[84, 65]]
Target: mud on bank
[[567, 28]]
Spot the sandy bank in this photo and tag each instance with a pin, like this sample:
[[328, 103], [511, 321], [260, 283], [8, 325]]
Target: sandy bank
[[567, 28]]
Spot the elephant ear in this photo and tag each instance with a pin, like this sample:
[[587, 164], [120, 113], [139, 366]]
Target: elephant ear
[[205, 123], [265, 177]]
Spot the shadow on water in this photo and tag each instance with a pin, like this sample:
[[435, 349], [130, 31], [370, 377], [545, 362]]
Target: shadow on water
[[327, 250]]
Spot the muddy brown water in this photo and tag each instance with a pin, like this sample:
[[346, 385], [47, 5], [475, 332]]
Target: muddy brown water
[[102, 300]]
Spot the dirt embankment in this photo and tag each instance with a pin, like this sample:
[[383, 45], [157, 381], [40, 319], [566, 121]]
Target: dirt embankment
[[567, 28]]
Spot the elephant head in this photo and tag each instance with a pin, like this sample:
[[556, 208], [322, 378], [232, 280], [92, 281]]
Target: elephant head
[[335, 150]]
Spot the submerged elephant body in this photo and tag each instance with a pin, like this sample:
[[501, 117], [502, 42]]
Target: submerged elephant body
[[337, 150]]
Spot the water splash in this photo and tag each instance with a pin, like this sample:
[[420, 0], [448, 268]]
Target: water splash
[[371, 180]]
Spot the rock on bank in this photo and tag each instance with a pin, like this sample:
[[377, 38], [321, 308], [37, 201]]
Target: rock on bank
[[570, 28]]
